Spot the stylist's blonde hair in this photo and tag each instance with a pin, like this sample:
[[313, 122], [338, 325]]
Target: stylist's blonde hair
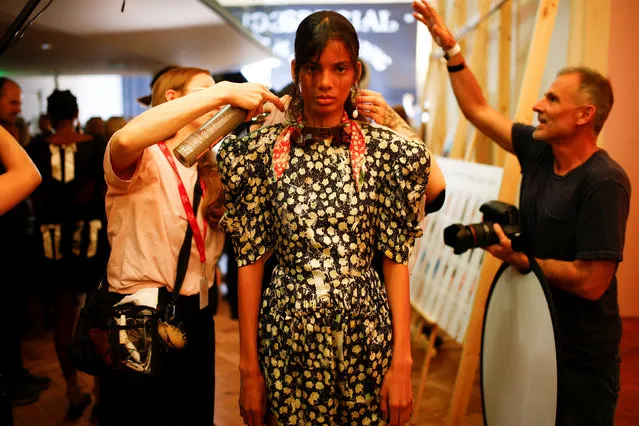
[[213, 202]]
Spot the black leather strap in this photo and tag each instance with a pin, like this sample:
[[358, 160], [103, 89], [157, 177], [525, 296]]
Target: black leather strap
[[456, 68], [185, 250], [310, 134]]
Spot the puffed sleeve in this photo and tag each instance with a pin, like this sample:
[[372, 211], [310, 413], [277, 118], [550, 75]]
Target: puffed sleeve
[[243, 165], [399, 197]]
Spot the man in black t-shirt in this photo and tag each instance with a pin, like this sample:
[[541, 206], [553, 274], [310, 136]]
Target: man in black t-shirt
[[574, 202]]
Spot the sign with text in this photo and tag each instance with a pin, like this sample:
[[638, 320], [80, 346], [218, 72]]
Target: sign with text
[[387, 36]]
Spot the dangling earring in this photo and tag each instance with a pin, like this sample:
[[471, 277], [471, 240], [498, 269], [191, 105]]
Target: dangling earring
[[354, 90], [298, 104]]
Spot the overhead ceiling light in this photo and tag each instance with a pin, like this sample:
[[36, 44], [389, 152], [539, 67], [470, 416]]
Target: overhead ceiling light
[[46, 46]]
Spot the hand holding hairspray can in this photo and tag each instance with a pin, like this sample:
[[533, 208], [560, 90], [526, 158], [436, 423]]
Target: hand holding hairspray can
[[198, 143]]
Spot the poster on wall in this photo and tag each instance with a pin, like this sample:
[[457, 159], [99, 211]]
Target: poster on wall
[[387, 35]]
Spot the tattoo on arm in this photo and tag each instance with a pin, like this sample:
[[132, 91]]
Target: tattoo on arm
[[393, 121]]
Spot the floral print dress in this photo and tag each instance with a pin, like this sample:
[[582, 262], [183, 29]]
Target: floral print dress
[[325, 336]]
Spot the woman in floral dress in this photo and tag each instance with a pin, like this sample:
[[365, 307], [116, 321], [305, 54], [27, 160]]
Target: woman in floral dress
[[326, 342]]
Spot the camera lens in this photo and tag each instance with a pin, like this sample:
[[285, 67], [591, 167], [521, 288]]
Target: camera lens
[[459, 237], [462, 238], [484, 234]]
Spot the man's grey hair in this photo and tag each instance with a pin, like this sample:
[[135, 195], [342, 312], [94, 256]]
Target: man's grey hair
[[595, 89]]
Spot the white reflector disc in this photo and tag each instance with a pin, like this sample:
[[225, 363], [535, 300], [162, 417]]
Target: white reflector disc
[[519, 357]]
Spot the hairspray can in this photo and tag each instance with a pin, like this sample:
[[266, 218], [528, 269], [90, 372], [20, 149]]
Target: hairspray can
[[198, 143]]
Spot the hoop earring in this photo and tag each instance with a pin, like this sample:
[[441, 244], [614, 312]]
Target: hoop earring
[[354, 91]]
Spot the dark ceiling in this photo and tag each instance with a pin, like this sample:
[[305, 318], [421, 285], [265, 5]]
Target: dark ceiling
[[95, 37]]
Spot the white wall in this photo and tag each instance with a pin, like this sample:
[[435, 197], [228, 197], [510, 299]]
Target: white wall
[[98, 95], [621, 139]]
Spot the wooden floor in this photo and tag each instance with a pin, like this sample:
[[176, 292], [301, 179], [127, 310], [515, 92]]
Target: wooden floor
[[40, 358]]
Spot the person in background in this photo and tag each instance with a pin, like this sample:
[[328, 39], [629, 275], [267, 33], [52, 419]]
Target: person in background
[[18, 178], [16, 255], [10, 109], [95, 126], [67, 209], [574, 205], [148, 197]]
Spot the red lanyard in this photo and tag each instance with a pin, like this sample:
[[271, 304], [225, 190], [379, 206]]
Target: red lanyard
[[188, 207]]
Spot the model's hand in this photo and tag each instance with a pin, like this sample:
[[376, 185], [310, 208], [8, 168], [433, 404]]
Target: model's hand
[[372, 105], [396, 395], [248, 96], [252, 398], [427, 15], [504, 251]]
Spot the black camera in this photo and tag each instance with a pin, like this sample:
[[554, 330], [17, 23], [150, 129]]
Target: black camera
[[464, 237]]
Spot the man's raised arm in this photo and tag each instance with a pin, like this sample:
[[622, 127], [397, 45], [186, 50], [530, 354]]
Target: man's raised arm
[[469, 95]]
